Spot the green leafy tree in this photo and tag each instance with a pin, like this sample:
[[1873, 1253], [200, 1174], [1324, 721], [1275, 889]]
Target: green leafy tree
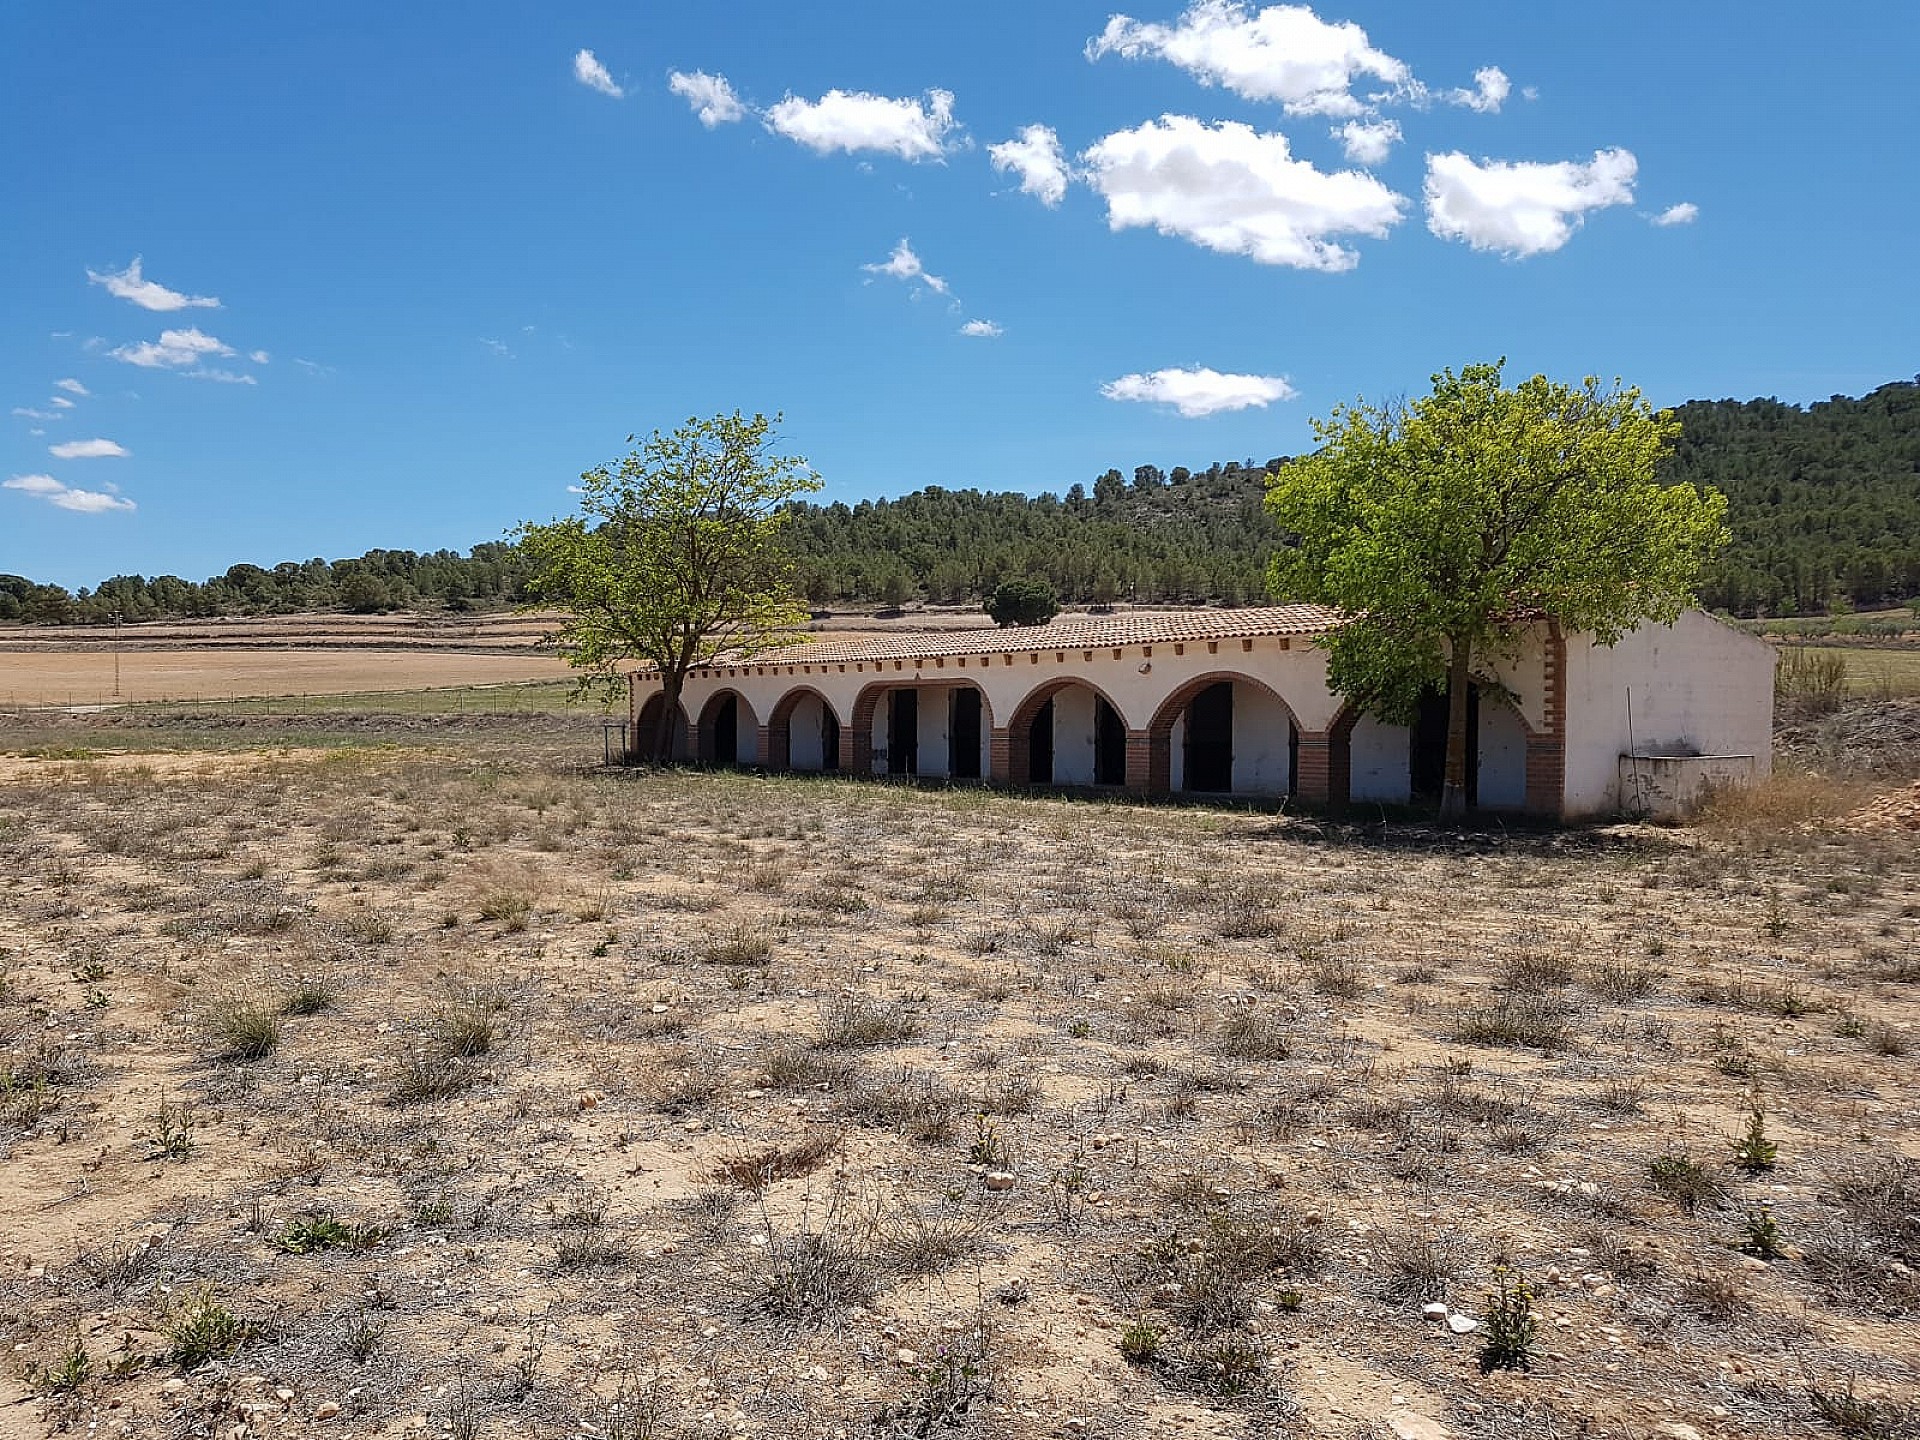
[[676, 556], [1448, 526], [1026, 601]]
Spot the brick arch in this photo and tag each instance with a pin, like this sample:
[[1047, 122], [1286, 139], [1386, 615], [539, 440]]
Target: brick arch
[[856, 734], [646, 728], [745, 724], [1159, 735], [1020, 726], [1545, 748], [779, 735]]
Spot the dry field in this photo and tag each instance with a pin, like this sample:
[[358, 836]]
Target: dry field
[[460, 1091]]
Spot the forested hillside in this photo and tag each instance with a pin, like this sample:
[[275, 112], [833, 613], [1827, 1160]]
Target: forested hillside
[[1824, 503]]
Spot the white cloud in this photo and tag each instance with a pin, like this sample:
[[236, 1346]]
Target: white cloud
[[225, 377], [903, 264], [259, 357], [87, 450], [27, 414], [711, 97], [130, 284], [1522, 208], [45, 487], [72, 387], [1491, 87], [1368, 142], [174, 350], [1200, 392], [60, 400], [1036, 157], [499, 347], [1685, 213], [851, 121], [982, 330], [1230, 189], [1282, 53], [588, 70]]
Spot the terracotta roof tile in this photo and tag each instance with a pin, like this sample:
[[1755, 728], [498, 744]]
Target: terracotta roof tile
[[1134, 627]]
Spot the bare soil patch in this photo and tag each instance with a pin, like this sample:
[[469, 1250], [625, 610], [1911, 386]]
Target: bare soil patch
[[475, 1093]]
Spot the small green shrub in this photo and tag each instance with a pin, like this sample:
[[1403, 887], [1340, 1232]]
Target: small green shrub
[[1684, 1181], [242, 1026], [1512, 1327], [199, 1328], [1753, 1152]]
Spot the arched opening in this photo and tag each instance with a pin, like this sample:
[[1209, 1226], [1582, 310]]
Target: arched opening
[[1224, 734], [803, 733], [646, 730], [1406, 764], [728, 732], [937, 730], [1067, 732]]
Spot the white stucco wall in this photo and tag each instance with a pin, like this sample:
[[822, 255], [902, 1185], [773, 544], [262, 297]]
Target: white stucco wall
[[803, 734], [1261, 730], [1502, 773], [1073, 735], [1379, 762], [1697, 685]]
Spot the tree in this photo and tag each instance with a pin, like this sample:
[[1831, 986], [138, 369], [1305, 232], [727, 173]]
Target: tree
[[676, 557], [1025, 601], [1446, 527]]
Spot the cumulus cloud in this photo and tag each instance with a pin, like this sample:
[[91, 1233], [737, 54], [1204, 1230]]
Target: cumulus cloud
[[711, 97], [130, 284], [87, 450], [61, 401], [588, 70], [72, 387], [982, 330], [259, 357], [854, 120], [1368, 142], [903, 264], [1199, 392], [1228, 188], [1282, 53], [1522, 208], [1491, 87], [1685, 213], [45, 487], [174, 350], [1036, 158]]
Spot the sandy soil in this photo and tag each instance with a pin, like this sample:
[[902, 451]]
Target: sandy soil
[[820, 1109]]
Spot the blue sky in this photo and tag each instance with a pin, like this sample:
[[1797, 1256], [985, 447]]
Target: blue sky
[[417, 266]]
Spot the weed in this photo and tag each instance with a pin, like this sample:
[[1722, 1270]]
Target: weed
[[311, 995], [988, 1148], [1537, 1022], [360, 1336], [802, 1067], [742, 944], [944, 1391], [242, 1025], [583, 1238], [1684, 1181], [1753, 1152], [814, 1271], [1762, 1237], [1140, 1341], [317, 1230], [757, 1169], [71, 1369], [508, 908], [173, 1129], [198, 1328], [1623, 980], [1849, 1413], [857, 1021], [1251, 1035], [1512, 1327]]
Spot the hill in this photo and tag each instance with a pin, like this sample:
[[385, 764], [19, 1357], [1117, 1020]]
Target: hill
[[1824, 504]]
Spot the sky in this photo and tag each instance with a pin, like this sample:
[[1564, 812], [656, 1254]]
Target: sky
[[279, 282]]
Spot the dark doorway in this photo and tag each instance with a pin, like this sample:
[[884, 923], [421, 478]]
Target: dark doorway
[[829, 739], [1427, 746], [1109, 745], [1040, 747], [903, 732], [1293, 759], [963, 761], [1210, 740], [726, 731]]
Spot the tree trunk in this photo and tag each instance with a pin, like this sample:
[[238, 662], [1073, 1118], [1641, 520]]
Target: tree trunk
[[1453, 790], [670, 686]]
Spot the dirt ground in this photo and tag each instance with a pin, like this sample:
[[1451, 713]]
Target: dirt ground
[[86, 677], [438, 1084]]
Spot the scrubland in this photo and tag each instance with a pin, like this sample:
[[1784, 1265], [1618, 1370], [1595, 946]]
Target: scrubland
[[451, 1087]]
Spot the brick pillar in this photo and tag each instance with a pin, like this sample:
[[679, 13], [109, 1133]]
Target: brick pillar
[[856, 749], [1547, 750], [1000, 756], [1313, 773], [776, 745], [1020, 752], [1140, 762], [760, 750]]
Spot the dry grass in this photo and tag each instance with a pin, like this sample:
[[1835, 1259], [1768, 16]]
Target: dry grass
[[654, 1099]]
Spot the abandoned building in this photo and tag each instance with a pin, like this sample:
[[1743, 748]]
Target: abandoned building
[[1235, 703]]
